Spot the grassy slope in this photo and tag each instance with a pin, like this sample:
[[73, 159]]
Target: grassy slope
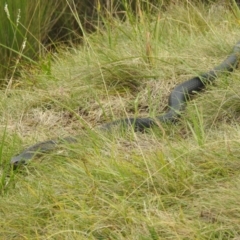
[[179, 182]]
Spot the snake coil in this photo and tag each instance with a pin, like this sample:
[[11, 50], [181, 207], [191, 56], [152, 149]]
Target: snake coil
[[177, 102]]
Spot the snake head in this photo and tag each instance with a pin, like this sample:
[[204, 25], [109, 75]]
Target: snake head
[[17, 161]]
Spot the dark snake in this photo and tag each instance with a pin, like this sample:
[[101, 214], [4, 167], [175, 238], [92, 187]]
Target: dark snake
[[177, 102]]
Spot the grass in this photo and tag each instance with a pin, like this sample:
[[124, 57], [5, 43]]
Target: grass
[[175, 182], [37, 26]]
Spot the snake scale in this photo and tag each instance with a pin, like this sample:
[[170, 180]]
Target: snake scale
[[176, 103]]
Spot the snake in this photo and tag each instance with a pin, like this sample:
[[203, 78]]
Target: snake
[[176, 104]]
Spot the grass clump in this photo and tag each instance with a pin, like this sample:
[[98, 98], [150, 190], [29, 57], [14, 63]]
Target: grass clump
[[174, 182]]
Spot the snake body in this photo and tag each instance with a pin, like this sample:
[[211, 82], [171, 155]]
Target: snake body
[[177, 102]]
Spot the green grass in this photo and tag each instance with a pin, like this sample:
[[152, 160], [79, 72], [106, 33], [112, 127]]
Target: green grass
[[39, 26], [175, 182]]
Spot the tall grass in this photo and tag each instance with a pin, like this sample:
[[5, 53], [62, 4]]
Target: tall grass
[[40, 24], [36, 25], [23, 23], [174, 182]]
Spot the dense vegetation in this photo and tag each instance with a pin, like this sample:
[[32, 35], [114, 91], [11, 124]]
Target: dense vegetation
[[173, 182], [30, 29]]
